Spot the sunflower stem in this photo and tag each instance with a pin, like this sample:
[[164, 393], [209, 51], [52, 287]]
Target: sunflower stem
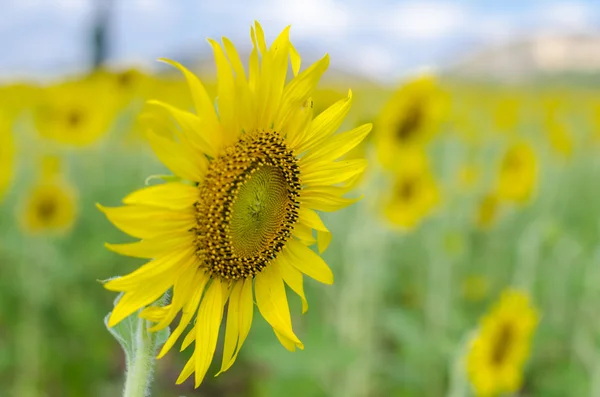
[[141, 366]]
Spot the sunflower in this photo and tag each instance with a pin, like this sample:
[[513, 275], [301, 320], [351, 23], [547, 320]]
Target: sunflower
[[50, 207], [414, 193], [238, 225], [7, 155], [506, 112], [77, 113], [410, 118], [487, 211], [518, 174], [123, 85], [498, 353]]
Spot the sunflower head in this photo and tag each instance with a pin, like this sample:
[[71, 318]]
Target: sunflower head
[[518, 173], [499, 351], [414, 193], [239, 225], [49, 208], [411, 117], [77, 113]]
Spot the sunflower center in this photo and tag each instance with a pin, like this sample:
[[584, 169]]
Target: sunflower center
[[502, 344], [248, 206], [407, 189], [259, 210], [46, 209], [410, 123], [74, 118]]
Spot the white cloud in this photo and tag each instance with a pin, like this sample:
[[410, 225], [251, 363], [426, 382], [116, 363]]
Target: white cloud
[[568, 15], [425, 20], [310, 18], [374, 61]]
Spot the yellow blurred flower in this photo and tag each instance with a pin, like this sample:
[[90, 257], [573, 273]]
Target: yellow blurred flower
[[414, 193], [414, 113], [15, 98], [487, 211], [50, 207], [124, 85], [518, 173], [501, 347], [506, 112], [76, 113], [7, 155]]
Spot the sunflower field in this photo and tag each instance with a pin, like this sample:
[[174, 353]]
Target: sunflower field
[[447, 228]]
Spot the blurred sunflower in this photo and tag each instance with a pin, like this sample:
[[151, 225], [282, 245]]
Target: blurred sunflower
[[506, 112], [487, 211], [518, 174], [124, 85], [414, 193], [50, 207], [241, 229], [76, 113], [7, 155], [414, 113], [559, 137], [499, 351]]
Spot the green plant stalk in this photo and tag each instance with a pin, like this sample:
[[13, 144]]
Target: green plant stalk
[[141, 367]]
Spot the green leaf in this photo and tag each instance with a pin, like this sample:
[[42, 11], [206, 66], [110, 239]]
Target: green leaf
[[140, 347]]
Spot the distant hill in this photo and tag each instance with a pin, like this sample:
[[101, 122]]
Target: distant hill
[[533, 58]]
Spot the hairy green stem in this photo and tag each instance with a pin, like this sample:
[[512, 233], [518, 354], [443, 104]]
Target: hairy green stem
[[140, 367]]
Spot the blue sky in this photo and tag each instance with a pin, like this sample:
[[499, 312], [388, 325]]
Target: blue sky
[[382, 39]]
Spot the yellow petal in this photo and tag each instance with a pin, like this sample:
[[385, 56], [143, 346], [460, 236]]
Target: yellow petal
[[234, 58], [203, 103], [326, 124], [130, 302], [189, 309], [155, 313], [272, 302], [169, 265], [173, 195], [307, 261], [300, 89], [187, 371], [232, 327], [326, 202], [311, 219], [293, 278], [183, 290], [192, 130], [154, 247], [241, 315], [260, 37], [332, 173], [226, 94], [146, 222], [338, 145], [323, 240], [295, 60], [176, 158], [208, 322], [304, 233]]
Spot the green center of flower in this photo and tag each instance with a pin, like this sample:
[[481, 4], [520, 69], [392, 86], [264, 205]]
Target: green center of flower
[[259, 210], [248, 206]]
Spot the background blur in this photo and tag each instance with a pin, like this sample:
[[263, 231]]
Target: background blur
[[499, 188]]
